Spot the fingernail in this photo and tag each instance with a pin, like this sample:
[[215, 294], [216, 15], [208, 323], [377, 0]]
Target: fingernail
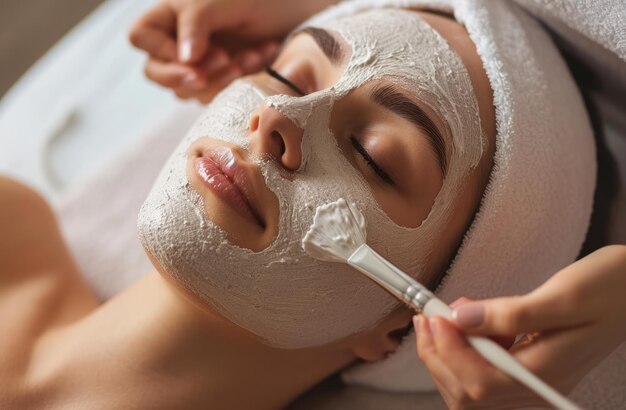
[[416, 324], [215, 64], [469, 315], [184, 51]]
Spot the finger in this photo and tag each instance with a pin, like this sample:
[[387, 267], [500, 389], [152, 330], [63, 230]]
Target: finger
[[250, 61], [446, 382], [515, 315], [269, 51], [193, 34], [216, 60], [173, 75], [460, 301], [551, 306], [556, 357], [214, 86], [219, 83], [480, 380], [161, 16], [155, 42], [153, 32], [505, 341]]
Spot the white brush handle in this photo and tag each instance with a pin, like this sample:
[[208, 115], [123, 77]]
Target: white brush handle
[[408, 290], [503, 360]]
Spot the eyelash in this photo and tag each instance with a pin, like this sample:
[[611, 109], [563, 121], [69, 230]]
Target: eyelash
[[283, 80], [357, 146], [370, 161]]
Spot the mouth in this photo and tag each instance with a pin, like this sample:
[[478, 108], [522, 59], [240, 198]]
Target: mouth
[[224, 174]]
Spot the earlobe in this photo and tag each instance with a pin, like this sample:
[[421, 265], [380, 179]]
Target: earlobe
[[376, 349], [385, 338]]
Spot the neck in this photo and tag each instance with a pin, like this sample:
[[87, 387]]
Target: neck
[[154, 332]]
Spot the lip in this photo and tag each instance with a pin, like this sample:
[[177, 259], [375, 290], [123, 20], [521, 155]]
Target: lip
[[219, 170]]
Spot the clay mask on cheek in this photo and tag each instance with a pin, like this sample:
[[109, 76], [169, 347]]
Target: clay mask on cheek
[[281, 294]]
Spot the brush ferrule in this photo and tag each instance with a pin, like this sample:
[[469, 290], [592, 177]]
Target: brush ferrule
[[416, 297], [398, 283]]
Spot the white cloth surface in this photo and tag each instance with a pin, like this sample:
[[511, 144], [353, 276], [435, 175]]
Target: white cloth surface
[[99, 216], [80, 104]]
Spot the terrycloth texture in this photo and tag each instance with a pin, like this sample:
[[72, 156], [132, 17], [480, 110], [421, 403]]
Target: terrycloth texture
[[536, 208], [594, 33], [601, 21]]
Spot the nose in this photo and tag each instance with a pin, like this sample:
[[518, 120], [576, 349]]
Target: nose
[[273, 134]]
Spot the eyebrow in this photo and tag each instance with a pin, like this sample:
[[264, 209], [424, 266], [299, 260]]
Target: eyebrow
[[327, 43], [389, 97]]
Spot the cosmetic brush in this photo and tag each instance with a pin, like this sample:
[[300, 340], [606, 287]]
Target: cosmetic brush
[[338, 235]]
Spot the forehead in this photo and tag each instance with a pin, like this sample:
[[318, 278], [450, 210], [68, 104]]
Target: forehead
[[414, 56], [380, 52], [417, 37]]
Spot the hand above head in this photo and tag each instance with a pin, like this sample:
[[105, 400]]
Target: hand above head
[[197, 47], [569, 324]]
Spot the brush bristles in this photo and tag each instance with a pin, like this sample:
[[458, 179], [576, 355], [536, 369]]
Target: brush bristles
[[337, 231]]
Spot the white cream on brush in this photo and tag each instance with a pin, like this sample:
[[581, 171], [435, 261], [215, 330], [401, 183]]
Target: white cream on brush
[[338, 234]]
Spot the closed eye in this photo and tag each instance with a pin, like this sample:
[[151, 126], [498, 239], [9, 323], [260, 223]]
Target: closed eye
[[283, 80], [357, 146], [370, 161]]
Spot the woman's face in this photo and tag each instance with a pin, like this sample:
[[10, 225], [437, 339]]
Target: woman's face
[[348, 110], [395, 142]]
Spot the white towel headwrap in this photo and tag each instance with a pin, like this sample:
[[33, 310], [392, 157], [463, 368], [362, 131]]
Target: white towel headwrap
[[537, 206]]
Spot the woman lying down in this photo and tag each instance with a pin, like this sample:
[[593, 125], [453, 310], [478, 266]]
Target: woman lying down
[[457, 158]]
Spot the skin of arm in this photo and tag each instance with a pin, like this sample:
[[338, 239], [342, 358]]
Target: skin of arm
[[197, 47], [570, 323]]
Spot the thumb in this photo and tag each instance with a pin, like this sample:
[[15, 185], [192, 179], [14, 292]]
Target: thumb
[[193, 31], [512, 315]]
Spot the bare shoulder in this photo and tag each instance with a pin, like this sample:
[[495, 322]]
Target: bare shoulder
[[26, 220], [33, 253], [29, 236], [40, 286]]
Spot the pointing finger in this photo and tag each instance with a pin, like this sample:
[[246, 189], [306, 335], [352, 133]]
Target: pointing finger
[[173, 75], [193, 35], [154, 32]]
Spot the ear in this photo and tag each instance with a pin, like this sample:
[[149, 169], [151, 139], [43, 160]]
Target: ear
[[385, 338]]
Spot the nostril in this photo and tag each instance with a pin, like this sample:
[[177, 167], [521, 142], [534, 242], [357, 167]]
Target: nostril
[[279, 141], [254, 123]]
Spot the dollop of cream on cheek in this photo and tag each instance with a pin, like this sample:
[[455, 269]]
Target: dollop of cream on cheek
[[285, 297]]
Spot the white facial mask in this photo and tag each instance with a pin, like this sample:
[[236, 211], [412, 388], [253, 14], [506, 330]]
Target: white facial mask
[[281, 294]]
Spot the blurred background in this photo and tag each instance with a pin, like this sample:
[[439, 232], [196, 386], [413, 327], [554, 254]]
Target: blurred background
[[73, 96], [28, 28]]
